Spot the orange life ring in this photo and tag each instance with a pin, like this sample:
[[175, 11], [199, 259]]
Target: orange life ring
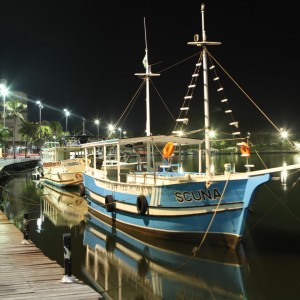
[[245, 149], [168, 150]]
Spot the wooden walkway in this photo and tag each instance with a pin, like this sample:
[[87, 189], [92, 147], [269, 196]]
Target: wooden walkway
[[26, 273]]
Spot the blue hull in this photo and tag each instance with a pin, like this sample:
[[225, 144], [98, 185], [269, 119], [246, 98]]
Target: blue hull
[[187, 211]]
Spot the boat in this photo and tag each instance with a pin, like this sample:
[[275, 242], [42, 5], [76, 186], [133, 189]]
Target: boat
[[128, 162], [120, 266], [165, 202], [62, 165]]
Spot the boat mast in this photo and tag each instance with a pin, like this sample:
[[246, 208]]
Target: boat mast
[[203, 44], [147, 67], [146, 76]]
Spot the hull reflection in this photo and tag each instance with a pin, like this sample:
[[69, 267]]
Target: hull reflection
[[63, 207], [123, 267]]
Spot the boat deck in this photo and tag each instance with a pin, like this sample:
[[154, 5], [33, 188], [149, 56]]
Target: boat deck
[[26, 273]]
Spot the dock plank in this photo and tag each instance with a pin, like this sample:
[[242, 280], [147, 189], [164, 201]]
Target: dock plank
[[26, 273]]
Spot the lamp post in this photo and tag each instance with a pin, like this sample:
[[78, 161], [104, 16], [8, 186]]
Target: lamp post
[[111, 129], [3, 93], [39, 103], [67, 113], [120, 130], [97, 122]]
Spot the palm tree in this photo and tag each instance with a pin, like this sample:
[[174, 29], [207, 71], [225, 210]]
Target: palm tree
[[28, 131], [43, 133], [14, 109], [34, 133], [4, 133], [57, 129]]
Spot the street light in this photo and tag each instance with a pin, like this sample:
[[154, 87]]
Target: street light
[[283, 134], [120, 129], [97, 122], [111, 129], [212, 134], [39, 103], [67, 113], [3, 93]]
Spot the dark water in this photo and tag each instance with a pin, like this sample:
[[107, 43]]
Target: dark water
[[266, 266]]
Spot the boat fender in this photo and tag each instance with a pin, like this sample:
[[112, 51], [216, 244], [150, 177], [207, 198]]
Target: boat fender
[[35, 177], [245, 149], [168, 150], [81, 189], [40, 170], [110, 203], [141, 204]]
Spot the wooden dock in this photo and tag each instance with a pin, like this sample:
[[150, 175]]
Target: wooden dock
[[26, 273]]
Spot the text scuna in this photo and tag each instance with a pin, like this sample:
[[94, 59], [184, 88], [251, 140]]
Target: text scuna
[[198, 195]]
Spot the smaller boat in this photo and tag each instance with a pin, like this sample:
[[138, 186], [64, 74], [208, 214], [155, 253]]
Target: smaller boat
[[62, 165], [130, 162]]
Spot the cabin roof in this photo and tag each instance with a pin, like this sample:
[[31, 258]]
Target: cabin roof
[[158, 139]]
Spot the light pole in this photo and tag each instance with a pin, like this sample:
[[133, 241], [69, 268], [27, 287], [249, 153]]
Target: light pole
[[67, 113], [39, 103], [97, 122], [3, 93], [120, 129], [111, 129]]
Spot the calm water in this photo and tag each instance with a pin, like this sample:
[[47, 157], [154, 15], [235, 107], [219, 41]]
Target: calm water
[[266, 266]]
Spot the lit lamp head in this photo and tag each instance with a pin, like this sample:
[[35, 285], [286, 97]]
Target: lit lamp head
[[67, 113], [39, 103], [3, 90]]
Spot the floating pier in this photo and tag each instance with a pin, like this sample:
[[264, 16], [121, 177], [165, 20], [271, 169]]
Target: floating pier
[[26, 273]]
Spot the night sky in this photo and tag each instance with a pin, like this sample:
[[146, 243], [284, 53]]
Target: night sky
[[82, 55]]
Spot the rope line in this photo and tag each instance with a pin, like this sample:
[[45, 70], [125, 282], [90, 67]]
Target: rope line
[[196, 249]]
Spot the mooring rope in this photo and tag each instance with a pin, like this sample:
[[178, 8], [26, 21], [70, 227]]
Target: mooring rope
[[197, 248]]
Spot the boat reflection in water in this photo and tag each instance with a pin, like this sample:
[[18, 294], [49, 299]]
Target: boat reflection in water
[[123, 267], [63, 207]]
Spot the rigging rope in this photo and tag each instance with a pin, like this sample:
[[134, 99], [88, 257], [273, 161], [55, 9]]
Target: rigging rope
[[180, 62], [163, 101], [131, 103], [251, 100]]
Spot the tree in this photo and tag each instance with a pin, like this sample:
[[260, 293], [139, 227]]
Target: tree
[[28, 131], [4, 133], [57, 129], [14, 109], [44, 133], [34, 133]]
